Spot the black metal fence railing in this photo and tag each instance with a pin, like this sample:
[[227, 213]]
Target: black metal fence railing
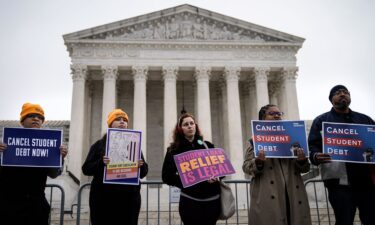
[[50, 189], [161, 212], [160, 208], [322, 206]]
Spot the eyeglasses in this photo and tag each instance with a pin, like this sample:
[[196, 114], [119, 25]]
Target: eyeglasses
[[35, 116], [345, 92], [274, 113]]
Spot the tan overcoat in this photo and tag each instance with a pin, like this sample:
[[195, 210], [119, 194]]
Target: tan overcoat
[[268, 191]]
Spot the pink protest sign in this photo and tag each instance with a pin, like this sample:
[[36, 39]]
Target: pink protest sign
[[201, 165]]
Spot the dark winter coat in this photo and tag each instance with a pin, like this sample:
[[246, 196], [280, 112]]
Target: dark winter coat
[[22, 198], [193, 211], [110, 203], [355, 174]]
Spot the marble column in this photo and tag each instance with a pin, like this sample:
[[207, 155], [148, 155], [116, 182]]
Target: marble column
[[261, 82], [203, 116], [289, 77], [109, 93], [140, 114], [252, 101], [245, 112], [77, 121], [170, 103], [224, 117], [232, 75]]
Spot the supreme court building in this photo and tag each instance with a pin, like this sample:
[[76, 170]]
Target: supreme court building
[[152, 66]]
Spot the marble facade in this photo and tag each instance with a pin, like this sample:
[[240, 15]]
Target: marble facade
[[219, 68]]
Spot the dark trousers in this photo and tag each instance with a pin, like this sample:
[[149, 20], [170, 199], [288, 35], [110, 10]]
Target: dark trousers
[[199, 213], [345, 201], [25, 210], [115, 208]]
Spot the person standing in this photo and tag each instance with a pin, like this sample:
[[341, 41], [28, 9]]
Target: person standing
[[200, 203], [22, 198], [112, 203], [350, 185], [277, 193]]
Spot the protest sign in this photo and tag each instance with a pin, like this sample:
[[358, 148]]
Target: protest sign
[[279, 139], [349, 142], [124, 150], [27, 147], [200, 165]]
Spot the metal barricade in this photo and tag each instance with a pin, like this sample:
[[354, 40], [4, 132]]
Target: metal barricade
[[157, 185], [79, 201], [247, 205], [62, 200], [326, 206]]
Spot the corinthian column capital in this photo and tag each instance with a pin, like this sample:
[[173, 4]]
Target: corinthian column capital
[[170, 72], [202, 73], [232, 73], [290, 73], [140, 73], [261, 73], [79, 72], [109, 72]]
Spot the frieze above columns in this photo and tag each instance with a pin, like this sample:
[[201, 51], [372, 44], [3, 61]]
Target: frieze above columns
[[183, 50]]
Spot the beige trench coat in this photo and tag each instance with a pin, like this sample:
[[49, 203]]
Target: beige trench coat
[[267, 190]]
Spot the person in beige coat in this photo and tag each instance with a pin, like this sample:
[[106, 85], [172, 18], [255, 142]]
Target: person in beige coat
[[278, 195]]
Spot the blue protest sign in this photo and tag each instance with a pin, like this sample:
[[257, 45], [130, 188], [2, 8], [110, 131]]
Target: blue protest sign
[[279, 139], [31, 147], [349, 142]]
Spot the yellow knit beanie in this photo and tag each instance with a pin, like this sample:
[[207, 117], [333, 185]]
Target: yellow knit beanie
[[116, 114], [29, 108]]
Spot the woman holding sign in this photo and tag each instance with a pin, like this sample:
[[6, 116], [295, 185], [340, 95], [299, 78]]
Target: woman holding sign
[[199, 203], [278, 195], [112, 203]]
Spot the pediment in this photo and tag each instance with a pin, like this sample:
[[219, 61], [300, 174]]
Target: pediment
[[185, 23]]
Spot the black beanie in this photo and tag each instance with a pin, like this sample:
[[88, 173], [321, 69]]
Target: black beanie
[[334, 89]]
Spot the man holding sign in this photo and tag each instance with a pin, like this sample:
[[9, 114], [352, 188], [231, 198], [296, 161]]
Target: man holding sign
[[350, 185], [22, 199]]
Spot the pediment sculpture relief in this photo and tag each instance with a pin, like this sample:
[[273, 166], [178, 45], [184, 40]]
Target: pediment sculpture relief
[[184, 26]]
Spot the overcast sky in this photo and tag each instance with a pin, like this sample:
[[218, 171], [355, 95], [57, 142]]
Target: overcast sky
[[339, 46]]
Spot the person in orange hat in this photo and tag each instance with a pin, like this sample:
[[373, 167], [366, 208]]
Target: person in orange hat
[[112, 203], [22, 199]]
